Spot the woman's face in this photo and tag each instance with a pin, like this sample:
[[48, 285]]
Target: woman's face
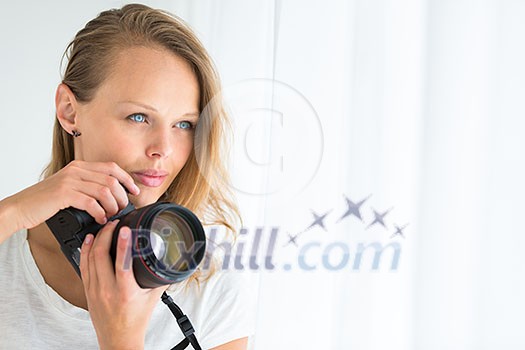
[[142, 117]]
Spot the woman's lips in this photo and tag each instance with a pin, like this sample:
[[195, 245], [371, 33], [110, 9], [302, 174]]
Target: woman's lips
[[151, 178]]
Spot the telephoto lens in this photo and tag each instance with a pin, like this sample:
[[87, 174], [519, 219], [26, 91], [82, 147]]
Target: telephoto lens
[[168, 240]]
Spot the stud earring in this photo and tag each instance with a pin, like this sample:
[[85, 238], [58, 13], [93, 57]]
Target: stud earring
[[76, 133]]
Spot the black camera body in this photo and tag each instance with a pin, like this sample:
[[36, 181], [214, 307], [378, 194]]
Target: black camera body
[[168, 240]]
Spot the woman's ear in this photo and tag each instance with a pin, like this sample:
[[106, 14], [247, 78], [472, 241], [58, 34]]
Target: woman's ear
[[66, 108]]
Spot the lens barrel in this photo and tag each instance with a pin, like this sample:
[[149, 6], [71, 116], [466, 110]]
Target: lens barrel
[[167, 246]]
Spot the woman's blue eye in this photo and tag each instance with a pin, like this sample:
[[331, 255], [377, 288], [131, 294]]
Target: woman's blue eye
[[137, 117], [184, 125]]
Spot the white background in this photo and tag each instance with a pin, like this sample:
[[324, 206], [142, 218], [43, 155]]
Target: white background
[[417, 105]]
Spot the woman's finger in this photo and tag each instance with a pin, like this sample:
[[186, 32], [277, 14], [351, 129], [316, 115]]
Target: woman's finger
[[112, 169], [109, 182], [103, 196], [124, 258], [101, 264], [84, 260], [89, 204]]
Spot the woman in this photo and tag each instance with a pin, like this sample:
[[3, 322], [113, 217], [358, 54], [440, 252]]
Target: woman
[[139, 91]]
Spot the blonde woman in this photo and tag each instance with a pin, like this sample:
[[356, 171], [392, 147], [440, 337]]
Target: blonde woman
[[138, 119]]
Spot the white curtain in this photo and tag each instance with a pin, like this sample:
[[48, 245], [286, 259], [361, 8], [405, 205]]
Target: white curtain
[[419, 108], [415, 107]]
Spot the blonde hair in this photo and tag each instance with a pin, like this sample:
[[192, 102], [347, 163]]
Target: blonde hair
[[203, 184]]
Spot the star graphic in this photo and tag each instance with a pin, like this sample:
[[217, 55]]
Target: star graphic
[[379, 218], [319, 220], [292, 239], [399, 231], [353, 208]]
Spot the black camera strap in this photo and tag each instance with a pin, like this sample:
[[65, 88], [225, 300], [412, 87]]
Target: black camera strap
[[184, 324]]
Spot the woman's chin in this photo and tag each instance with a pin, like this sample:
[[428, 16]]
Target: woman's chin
[[142, 201]]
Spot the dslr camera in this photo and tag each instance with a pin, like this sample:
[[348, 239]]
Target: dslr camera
[[168, 240]]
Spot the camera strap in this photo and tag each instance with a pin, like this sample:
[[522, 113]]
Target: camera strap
[[184, 324]]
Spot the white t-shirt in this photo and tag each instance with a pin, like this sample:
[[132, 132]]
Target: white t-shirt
[[34, 316]]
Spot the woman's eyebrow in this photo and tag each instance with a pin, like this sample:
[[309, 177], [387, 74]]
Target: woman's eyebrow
[[153, 109]]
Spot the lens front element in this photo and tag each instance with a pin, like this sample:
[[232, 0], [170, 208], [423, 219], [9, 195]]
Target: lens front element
[[172, 240]]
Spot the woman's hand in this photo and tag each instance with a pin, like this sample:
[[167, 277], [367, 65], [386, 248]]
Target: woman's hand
[[91, 186], [120, 309]]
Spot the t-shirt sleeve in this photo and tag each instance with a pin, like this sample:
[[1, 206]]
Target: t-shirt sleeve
[[229, 310]]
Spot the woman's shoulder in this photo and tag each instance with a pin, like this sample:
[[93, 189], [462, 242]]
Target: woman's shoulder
[[12, 257], [11, 245]]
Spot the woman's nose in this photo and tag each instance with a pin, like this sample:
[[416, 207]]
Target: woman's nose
[[161, 143]]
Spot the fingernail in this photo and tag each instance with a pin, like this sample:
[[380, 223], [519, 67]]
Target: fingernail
[[124, 234], [137, 189], [88, 239]]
